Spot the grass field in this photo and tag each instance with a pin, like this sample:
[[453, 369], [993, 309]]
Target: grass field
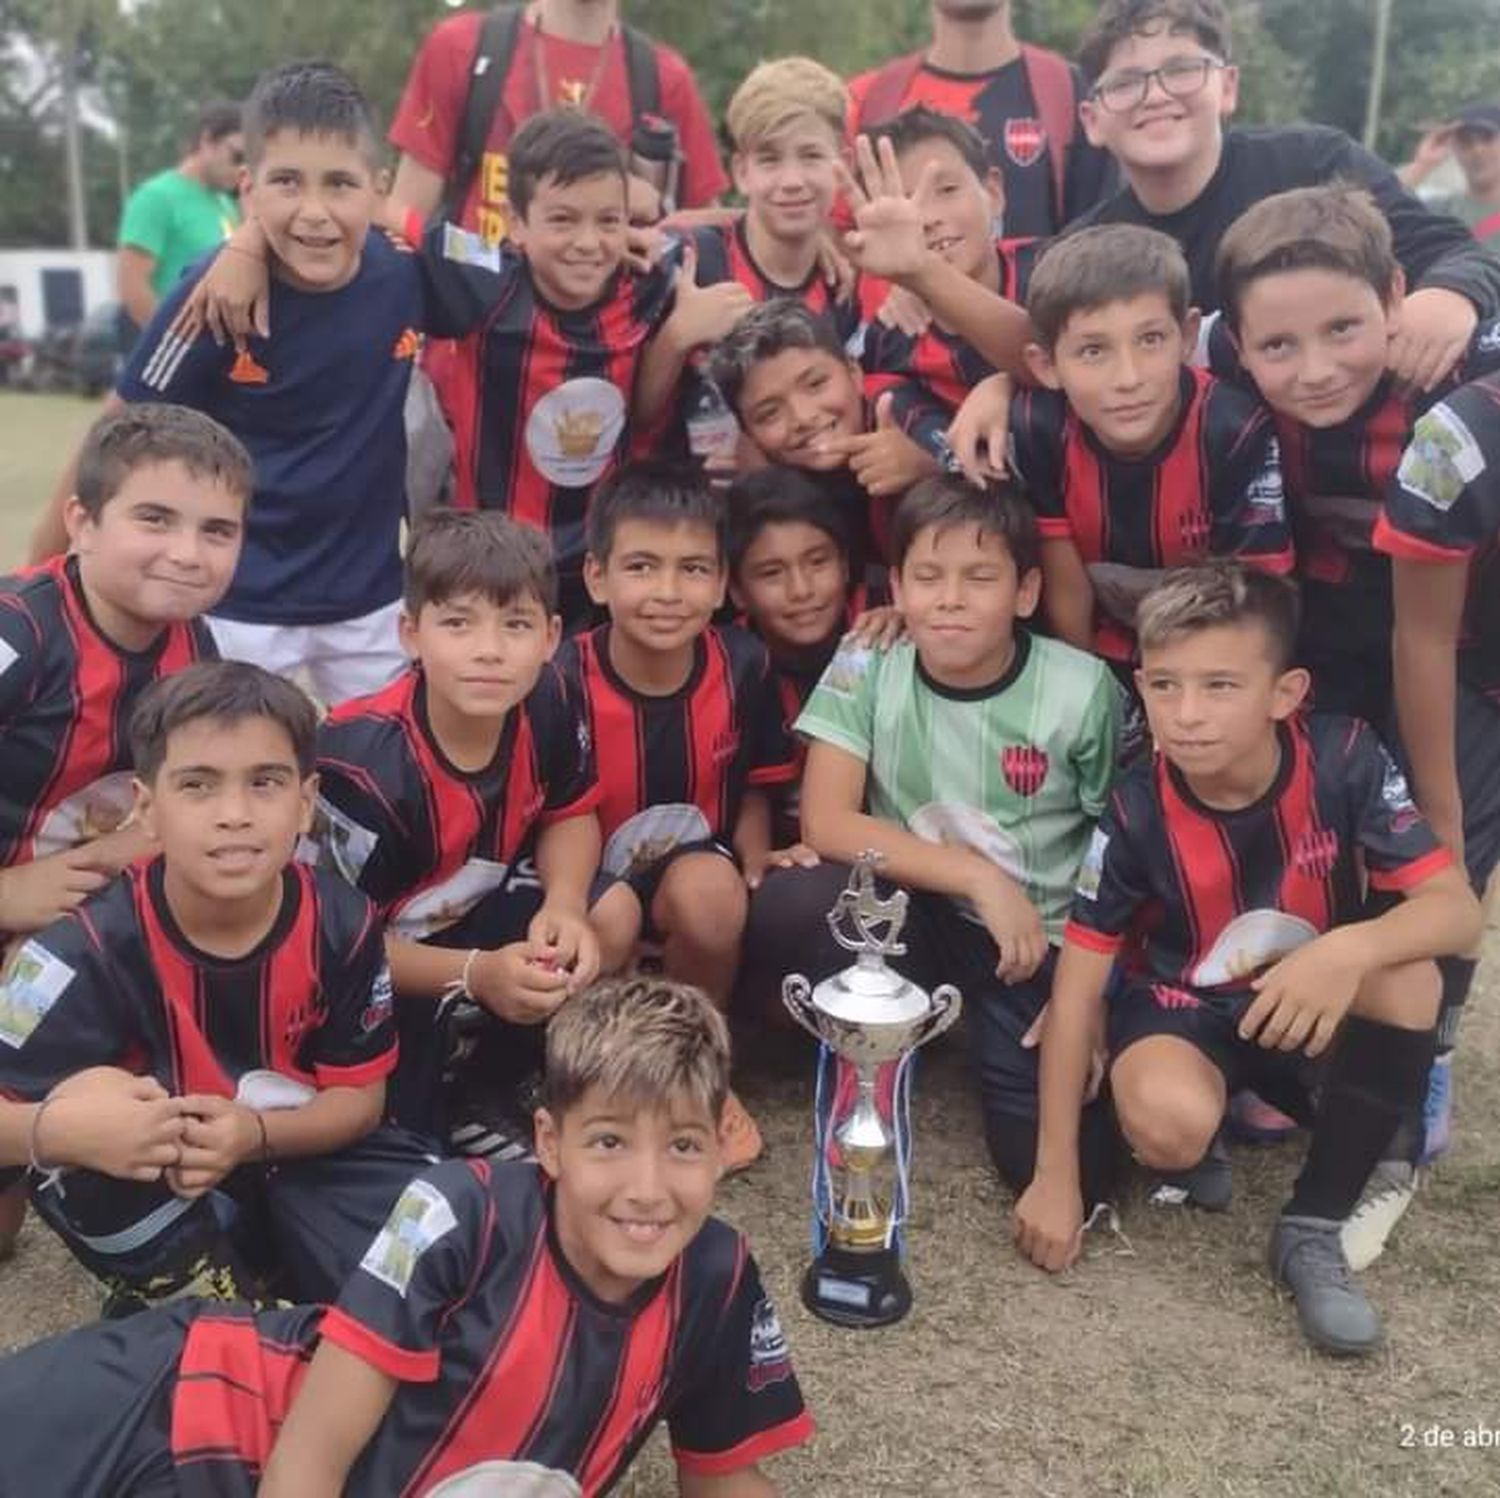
[[1164, 1364]]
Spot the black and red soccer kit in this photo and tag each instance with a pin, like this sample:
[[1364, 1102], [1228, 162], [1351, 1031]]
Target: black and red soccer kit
[[542, 412], [724, 254], [66, 695], [117, 983], [1197, 902], [677, 766], [499, 1351], [1212, 487]]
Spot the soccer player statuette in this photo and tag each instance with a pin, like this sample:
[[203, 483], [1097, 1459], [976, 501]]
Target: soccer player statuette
[[871, 1020]]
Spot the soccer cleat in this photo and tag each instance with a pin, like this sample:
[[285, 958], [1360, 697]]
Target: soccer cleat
[[489, 1131], [1209, 1185], [1254, 1121], [739, 1136], [1437, 1109], [1307, 1257], [1381, 1205]]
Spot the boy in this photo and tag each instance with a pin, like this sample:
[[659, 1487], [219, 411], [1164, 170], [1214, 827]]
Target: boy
[[973, 756], [249, 987], [505, 1321], [1135, 461], [461, 799], [1246, 841], [319, 406], [1161, 86], [694, 733]]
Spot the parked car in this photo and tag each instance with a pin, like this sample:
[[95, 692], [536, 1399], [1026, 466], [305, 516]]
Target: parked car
[[84, 357]]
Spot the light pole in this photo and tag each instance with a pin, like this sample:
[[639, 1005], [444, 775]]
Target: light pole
[[1373, 100]]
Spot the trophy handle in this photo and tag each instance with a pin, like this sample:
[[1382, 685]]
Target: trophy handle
[[796, 994], [946, 1004]]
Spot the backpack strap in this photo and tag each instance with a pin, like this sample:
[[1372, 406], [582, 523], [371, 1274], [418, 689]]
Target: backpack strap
[[887, 89], [498, 39], [643, 71], [1052, 87]]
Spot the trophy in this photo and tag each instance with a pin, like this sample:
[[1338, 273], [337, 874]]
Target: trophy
[[870, 1021]]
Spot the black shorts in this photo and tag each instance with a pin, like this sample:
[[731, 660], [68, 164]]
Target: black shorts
[[1210, 1023], [1478, 751], [646, 880]]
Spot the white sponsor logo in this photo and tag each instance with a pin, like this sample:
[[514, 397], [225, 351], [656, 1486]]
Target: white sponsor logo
[[448, 900], [417, 1221], [1440, 460], [1265, 497], [33, 983], [1091, 870]]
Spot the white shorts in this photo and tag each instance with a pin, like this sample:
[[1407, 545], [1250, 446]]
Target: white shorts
[[347, 658]]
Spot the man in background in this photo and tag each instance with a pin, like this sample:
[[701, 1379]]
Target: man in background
[[1473, 141]]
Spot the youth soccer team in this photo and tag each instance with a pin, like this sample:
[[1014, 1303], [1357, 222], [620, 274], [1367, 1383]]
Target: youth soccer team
[[1129, 595]]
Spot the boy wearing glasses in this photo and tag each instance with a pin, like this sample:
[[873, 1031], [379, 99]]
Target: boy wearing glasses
[[1162, 85]]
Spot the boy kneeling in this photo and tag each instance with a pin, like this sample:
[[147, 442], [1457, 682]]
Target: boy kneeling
[[1245, 837], [502, 1322]]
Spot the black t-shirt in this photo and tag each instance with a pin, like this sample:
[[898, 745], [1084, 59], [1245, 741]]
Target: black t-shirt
[[1434, 249]]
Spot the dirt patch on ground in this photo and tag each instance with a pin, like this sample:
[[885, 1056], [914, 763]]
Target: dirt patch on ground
[[1163, 1365]]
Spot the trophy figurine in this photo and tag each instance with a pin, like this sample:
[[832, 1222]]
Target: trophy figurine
[[870, 1021]]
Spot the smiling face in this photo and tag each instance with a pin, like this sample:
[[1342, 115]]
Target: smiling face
[[226, 807], [960, 210], [793, 583], [634, 1185], [792, 402], [789, 178], [1120, 366], [660, 582], [162, 549], [1316, 342], [573, 236]]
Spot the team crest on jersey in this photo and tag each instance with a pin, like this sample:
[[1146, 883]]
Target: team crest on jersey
[[33, 981], [1169, 997], [417, 1221], [1316, 853], [1025, 140], [1194, 529], [378, 1011], [770, 1358], [1441, 459], [573, 430], [1091, 870], [1265, 499], [1024, 767]]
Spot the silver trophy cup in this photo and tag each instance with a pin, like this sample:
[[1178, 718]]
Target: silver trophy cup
[[869, 1016]]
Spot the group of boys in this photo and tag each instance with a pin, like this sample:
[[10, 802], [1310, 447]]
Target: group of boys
[[266, 970]]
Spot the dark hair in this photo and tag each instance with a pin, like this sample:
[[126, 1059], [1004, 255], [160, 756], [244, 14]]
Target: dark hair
[[1335, 227], [947, 500], [1215, 593], [121, 442], [307, 98], [1103, 264], [565, 145], [453, 552], [228, 692], [1206, 21], [914, 126], [768, 329], [216, 119], [666, 493], [780, 495]]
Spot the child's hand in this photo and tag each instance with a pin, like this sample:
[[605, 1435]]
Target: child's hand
[[645, 244], [836, 268], [878, 629], [704, 314], [906, 312], [1301, 1001], [520, 982], [107, 1120], [232, 300], [33, 895], [886, 461], [568, 940], [1433, 335], [889, 238], [218, 1136], [1047, 1223], [980, 431], [1013, 922], [797, 856]]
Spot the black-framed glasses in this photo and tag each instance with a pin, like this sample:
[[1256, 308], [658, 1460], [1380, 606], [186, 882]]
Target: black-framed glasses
[[1179, 77]]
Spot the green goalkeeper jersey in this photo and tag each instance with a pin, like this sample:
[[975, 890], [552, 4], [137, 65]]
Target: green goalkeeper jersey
[[1019, 770]]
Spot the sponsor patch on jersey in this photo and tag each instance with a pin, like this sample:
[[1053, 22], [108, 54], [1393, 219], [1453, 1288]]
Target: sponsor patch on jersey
[[344, 840], [1440, 460], [851, 662], [1265, 499], [465, 248], [377, 1011], [1091, 870], [770, 1358], [1024, 140], [417, 1221], [33, 982], [8, 656]]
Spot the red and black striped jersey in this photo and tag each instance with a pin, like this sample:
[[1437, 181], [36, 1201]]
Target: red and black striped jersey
[[547, 411], [1444, 507], [678, 765], [724, 254], [66, 695], [1211, 488], [424, 839], [501, 1354], [1209, 898], [117, 983]]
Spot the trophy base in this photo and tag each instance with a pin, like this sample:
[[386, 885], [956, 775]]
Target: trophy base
[[857, 1289]]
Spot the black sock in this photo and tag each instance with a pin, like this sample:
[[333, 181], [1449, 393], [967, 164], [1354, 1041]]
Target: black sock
[[1378, 1073], [1012, 1142], [1458, 976]]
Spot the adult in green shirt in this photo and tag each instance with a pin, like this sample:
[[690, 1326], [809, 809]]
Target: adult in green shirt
[[1473, 140], [177, 216]]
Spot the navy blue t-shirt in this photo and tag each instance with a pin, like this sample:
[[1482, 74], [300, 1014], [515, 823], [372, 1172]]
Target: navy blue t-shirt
[[319, 406]]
